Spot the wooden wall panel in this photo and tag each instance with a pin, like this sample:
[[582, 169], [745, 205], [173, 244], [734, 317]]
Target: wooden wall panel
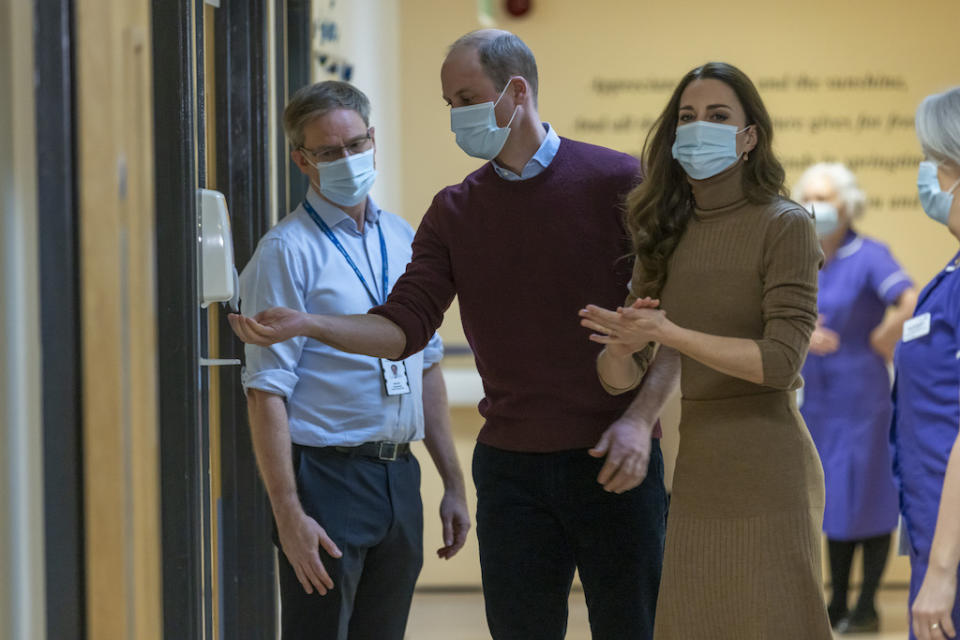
[[115, 178]]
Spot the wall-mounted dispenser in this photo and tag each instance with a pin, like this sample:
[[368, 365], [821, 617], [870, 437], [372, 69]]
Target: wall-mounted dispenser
[[216, 273]]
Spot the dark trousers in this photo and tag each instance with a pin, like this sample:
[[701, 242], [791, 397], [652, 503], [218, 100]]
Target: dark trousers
[[372, 510], [539, 517]]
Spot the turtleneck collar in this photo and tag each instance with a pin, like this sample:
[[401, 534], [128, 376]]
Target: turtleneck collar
[[720, 193]]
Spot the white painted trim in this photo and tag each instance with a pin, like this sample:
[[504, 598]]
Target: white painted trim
[[464, 387], [22, 591]]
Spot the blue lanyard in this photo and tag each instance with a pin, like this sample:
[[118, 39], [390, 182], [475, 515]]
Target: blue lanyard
[[383, 252]]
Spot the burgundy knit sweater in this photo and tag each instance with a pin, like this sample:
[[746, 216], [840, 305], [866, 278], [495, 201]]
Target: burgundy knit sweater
[[524, 257]]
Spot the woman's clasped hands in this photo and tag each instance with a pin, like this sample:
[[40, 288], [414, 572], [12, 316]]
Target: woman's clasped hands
[[627, 329]]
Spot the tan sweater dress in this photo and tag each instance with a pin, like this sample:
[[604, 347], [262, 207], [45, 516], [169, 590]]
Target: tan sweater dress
[[742, 559]]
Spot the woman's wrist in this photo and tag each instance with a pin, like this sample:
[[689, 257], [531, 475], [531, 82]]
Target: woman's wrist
[[941, 564], [617, 371], [668, 334], [616, 355]]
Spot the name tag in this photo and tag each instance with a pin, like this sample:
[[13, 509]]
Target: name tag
[[916, 327], [395, 377]]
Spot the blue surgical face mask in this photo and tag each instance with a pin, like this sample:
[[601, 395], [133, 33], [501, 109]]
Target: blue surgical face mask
[[704, 149], [346, 181], [936, 203], [826, 218], [476, 128]]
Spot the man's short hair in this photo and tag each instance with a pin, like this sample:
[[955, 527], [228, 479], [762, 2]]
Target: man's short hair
[[502, 56], [314, 100]]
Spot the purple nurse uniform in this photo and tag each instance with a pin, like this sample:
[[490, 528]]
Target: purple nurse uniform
[[846, 394], [927, 415]]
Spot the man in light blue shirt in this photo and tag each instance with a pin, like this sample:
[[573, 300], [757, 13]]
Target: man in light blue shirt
[[331, 430]]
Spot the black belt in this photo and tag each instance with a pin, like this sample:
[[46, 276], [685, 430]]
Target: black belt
[[378, 450]]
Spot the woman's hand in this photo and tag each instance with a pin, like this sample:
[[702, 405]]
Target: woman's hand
[[628, 329], [823, 341], [933, 608]]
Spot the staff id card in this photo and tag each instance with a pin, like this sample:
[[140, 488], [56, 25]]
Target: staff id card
[[916, 327], [395, 377]]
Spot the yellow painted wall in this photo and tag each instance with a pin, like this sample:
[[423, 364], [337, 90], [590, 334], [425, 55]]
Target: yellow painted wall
[[607, 68]]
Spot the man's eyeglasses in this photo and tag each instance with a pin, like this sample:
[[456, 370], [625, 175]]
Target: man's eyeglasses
[[332, 153]]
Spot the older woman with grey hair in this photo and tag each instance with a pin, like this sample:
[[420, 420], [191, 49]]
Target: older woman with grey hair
[[927, 392], [846, 402]]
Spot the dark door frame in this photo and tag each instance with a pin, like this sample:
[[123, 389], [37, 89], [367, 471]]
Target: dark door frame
[[178, 327], [60, 331], [244, 171], [243, 174], [299, 63]]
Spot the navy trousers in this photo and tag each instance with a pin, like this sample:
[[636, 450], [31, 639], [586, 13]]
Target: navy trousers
[[372, 510], [542, 515]]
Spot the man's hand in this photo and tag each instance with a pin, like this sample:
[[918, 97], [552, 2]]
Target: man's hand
[[627, 448], [269, 327], [455, 519], [301, 538]]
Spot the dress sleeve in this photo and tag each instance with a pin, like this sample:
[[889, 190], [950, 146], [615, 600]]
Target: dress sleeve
[[791, 259], [887, 277], [272, 278], [425, 290], [643, 358]]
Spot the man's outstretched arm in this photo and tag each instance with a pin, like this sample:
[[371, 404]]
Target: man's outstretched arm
[[366, 334]]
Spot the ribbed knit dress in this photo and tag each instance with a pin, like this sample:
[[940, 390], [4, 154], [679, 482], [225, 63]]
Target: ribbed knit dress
[[742, 559]]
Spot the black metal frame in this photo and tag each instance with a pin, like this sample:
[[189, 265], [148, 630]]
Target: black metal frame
[[180, 405], [60, 331], [243, 174], [299, 63]]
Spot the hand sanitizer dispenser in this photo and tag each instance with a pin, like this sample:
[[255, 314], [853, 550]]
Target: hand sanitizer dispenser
[[216, 272], [217, 275]]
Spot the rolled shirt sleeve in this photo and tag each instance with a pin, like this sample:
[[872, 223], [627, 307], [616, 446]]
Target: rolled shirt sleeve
[[273, 278], [791, 260], [433, 352]]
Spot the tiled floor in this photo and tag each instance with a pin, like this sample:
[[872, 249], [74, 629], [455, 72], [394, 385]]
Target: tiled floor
[[459, 616]]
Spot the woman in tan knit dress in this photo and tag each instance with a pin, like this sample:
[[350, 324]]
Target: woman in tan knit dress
[[734, 265]]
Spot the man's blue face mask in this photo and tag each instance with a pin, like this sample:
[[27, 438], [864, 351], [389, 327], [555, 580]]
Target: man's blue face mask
[[476, 128]]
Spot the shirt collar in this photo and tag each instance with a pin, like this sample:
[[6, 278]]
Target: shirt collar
[[333, 215], [540, 160], [851, 244]]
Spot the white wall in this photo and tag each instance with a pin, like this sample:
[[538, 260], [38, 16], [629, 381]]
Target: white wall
[[368, 40]]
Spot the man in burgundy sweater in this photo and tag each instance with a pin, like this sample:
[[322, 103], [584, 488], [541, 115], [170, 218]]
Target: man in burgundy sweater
[[567, 476]]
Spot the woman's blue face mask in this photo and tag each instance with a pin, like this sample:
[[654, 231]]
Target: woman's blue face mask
[[936, 202], [704, 149]]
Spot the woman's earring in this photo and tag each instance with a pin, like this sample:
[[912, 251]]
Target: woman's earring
[[746, 156]]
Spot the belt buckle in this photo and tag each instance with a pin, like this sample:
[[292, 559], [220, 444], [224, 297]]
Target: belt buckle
[[387, 450]]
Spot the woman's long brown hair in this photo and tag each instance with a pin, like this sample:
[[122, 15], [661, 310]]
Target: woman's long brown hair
[[659, 208]]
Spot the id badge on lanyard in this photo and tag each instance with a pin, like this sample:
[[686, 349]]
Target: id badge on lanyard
[[394, 373]]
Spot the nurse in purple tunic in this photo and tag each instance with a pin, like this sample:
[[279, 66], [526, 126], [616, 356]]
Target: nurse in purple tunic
[[846, 395], [927, 393]]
